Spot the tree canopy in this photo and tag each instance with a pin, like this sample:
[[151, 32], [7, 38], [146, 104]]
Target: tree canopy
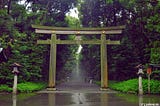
[[140, 35], [16, 33], [139, 41]]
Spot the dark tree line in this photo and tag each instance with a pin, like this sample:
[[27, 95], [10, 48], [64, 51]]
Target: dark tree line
[[139, 40], [17, 34], [140, 35]]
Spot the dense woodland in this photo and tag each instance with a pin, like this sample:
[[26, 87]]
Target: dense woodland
[[140, 41]]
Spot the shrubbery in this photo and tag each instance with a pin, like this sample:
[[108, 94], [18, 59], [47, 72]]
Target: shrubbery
[[26, 52], [30, 86], [24, 87], [131, 86], [5, 88]]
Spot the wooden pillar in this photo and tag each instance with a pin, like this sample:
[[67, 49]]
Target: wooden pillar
[[52, 65], [104, 67]]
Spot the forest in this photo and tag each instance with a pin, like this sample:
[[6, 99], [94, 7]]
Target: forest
[[140, 40]]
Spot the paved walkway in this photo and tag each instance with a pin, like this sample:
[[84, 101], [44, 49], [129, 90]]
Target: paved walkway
[[77, 86]]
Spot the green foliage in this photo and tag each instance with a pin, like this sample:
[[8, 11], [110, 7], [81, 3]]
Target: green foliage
[[6, 24], [109, 1], [155, 74], [27, 53], [25, 87], [90, 61], [66, 60], [142, 29], [131, 86], [72, 22], [98, 83], [16, 32], [4, 88], [155, 52], [30, 86], [53, 12], [155, 55]]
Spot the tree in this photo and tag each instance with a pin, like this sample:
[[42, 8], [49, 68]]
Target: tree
[[137, 38], [16, 26]]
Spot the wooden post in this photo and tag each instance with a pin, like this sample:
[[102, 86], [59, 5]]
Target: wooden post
[[52, 66], [149, 80], [104, 70], [149, 71]]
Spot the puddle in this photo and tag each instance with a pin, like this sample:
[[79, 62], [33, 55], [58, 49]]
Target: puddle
[[78, 99]]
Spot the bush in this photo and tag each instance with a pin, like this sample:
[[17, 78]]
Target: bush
[[131, 86], [24, 87], [30, 86], [26, 52], [4, 88]]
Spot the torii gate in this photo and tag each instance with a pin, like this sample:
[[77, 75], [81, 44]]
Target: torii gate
[[78, 31]]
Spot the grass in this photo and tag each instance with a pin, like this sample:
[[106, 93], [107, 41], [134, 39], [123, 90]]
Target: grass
[[30, 86], [131, 86], [5, 88], [24, 87]]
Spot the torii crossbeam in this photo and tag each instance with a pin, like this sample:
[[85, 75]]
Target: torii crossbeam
[[78, 31]]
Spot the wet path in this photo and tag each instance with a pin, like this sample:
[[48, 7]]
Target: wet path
[[78, 86], [78, 94], [78, 99]]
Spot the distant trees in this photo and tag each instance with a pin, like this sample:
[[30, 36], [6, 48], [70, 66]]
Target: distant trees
[[142, 30], [142, 33], [16, 33]]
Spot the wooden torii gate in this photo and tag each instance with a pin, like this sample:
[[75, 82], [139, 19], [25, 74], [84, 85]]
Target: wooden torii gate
[[78, 31]]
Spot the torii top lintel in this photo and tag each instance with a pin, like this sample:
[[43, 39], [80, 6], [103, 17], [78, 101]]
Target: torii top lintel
[[78, 31]]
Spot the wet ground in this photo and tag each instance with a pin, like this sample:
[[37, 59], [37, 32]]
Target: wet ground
[[78, 99], [75, 94]]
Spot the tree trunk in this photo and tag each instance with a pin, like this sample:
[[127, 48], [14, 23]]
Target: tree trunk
[[9, 6]]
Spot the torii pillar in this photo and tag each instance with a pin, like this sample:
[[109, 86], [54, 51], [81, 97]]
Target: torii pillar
[[83, 31], [52, 64]]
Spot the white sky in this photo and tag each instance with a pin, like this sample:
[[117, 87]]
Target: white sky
[[21, 2], [73, 12]]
